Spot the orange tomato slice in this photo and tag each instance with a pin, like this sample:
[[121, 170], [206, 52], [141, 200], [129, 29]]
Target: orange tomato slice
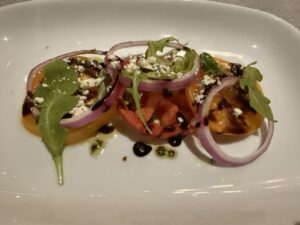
[[221, 117], [74, 135]]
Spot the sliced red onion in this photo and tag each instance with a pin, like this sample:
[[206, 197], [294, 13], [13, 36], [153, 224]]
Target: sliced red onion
[[38, 68], [208, 142], [125, 81], [158, 85], [117, 91], [84, 118], [98, 108]]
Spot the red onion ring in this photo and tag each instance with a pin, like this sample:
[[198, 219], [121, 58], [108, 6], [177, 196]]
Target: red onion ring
[[102, 106], [158, 85], [37, 68], [208, 142], [84, 118]]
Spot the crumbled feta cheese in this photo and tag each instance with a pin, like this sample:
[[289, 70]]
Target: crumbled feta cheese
[[177, 59], [132, 67], [180, 120], [38, 100], [164, 68], [181, 53], [144, 63], [81, 97], [89, 83], [112, 57], [80, 68], [207, 80], [67, 60], [237, 112], [156, 121], [108, 88], [79, 108], [179, 74], [44, 85], [115, 64], [200, 98], [85, 92], [152, 59]]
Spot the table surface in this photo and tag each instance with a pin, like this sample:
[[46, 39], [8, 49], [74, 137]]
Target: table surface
[[286, 9]]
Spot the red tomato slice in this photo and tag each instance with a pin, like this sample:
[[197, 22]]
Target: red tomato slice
[[161, 114]]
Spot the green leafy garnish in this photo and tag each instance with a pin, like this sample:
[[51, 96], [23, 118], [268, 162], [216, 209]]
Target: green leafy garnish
[[186, 64], [257, 100], [101, 89], [210, 66], [155, 46], [136, 95], [58, 100]]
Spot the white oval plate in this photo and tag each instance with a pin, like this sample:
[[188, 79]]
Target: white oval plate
[[147, 190]]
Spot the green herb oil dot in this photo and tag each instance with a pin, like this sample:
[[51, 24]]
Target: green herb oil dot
[[97, 148], [164, 152]]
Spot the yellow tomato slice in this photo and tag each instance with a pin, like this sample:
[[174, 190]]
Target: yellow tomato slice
[[74, 135], [221, 117]]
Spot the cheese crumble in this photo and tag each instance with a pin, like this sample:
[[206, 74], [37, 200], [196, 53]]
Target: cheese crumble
[[38, 100], [237, 112]]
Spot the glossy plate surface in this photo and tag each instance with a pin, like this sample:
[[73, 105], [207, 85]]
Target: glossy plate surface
[[148, 190]]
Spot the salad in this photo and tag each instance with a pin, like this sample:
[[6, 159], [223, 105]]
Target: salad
[[168, 92]]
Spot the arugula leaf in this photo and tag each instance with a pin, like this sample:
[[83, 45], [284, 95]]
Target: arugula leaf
[[136, 95], [154, 46], [101, 89], [258, 101], [61, 84], [210, 66], [53, 133], [186, 64]]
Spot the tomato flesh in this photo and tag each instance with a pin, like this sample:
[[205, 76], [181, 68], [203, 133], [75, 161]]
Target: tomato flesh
[[160, 112]]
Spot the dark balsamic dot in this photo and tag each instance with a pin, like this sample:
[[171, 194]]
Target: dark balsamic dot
[[166, 93], [26, 109], [236, 69], [67, 115], [205, 121], [106, 129], [197, 125], [182, 121], [175, 141], [169, 128], [140, 149]]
